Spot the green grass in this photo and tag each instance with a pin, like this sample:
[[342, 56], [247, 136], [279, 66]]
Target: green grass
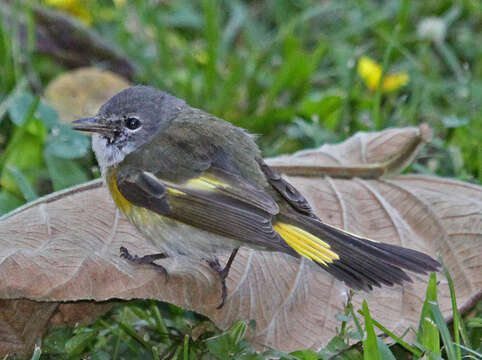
[[285, 70]]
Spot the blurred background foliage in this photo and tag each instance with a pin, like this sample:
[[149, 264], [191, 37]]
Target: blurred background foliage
[[297, 72]]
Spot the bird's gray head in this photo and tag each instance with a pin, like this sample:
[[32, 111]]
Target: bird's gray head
[[127, 121]]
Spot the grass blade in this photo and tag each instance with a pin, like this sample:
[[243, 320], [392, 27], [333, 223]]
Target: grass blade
[[155, 353], [160, 326], [118, 334], [444, 330], [370, 344], [477, 354], [36, 353], [355, 320], [77, 344], [384, 350], [23, 183], [212, 34], [132, 333], [398, 339], [377, 102], [459, 326], [186, 347], [428, 334]]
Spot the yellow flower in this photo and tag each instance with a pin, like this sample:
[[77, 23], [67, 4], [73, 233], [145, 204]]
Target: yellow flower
[[371, 72], [77, 8]]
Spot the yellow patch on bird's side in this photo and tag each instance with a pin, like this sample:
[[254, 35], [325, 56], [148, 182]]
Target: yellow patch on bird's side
[[306, 244], [118, 198], [143, 218]]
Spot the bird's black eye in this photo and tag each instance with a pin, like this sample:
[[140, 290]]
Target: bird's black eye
[[133, 123]]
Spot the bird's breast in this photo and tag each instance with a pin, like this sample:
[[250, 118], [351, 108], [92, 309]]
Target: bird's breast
[[170, 236]]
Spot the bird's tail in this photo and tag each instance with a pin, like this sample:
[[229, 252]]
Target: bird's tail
[[360, 262]]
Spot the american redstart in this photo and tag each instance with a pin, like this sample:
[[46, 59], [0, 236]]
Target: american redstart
[[197, 186]]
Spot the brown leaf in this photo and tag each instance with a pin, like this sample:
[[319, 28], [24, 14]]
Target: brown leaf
[[80, 93], [65, 247], [22, 323], [79, 313], [366, 155]]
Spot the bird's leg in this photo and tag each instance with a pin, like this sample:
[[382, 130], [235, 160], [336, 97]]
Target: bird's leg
[[223, 274], [146, 259]]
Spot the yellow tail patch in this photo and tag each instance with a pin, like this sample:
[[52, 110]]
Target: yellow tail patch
[[306, 244]]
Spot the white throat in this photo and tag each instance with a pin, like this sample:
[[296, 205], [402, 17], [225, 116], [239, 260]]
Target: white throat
[[107, 154]]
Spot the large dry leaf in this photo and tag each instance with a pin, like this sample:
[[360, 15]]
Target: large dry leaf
[[22, 323], [80, 93], [65, 247]]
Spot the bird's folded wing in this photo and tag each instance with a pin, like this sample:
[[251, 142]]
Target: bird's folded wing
[[215, 201], [292, 196]]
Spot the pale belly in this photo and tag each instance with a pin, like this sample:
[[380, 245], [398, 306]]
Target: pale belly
[[175, 238]]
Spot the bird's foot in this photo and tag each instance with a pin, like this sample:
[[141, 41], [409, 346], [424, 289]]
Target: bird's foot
[[146, 259], [216, 266], [223, 274]]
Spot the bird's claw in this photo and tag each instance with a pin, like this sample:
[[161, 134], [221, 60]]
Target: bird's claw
[[146, 259]]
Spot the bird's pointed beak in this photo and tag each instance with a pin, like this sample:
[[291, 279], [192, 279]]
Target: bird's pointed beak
[[92, 124]]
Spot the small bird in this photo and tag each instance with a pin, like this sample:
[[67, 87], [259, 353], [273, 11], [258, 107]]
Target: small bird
[[196, 186]]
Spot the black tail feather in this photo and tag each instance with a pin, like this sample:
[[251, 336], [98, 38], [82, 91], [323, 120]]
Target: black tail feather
[[364, 263]]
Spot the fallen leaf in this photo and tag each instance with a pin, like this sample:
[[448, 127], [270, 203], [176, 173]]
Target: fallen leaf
[[80, 93], [65, 247], [22, 324], [365, 154]]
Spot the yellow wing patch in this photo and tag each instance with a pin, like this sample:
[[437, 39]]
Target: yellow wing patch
[[173, 191], [206, 183], [306, 244]]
